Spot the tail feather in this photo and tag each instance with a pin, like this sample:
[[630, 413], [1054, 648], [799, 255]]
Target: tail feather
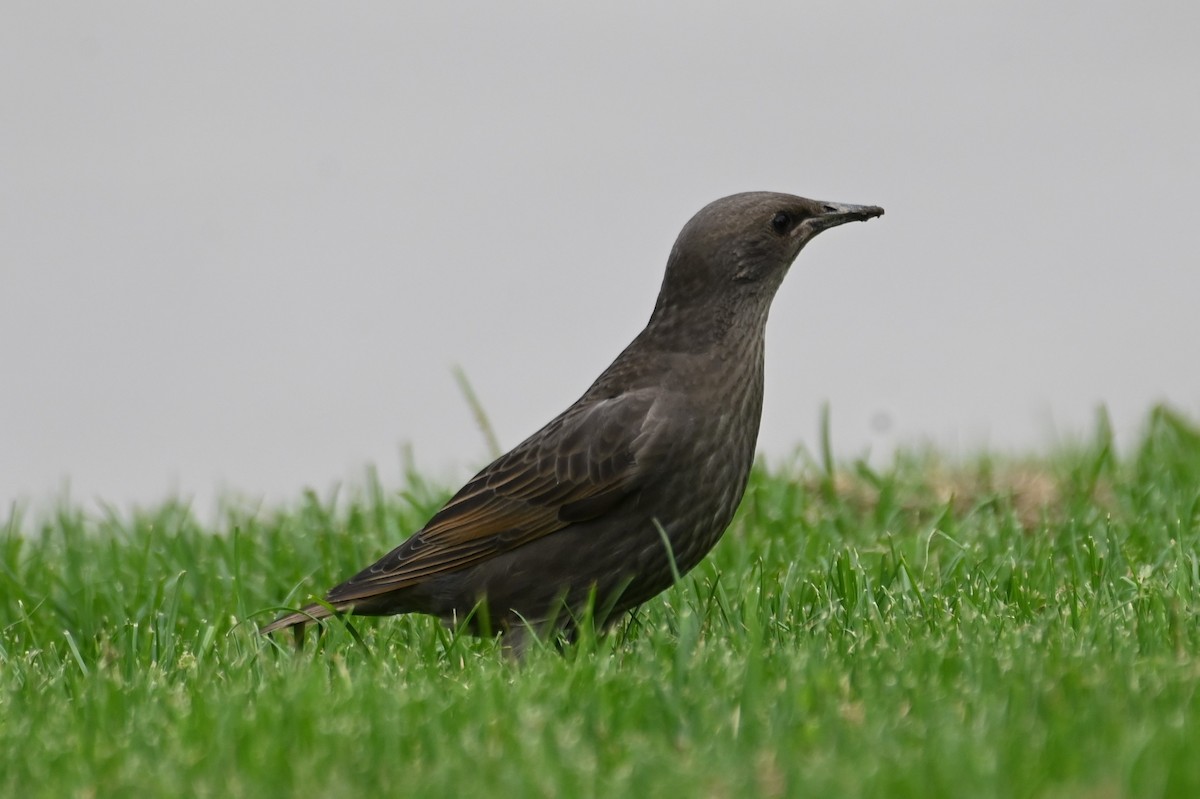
[[313, 612]]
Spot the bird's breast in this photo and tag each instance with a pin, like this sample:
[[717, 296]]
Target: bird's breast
[[714, 461]]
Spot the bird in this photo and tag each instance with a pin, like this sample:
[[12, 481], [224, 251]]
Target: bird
[[629, 488]]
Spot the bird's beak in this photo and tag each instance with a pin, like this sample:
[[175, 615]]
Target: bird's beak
[[834, 214]]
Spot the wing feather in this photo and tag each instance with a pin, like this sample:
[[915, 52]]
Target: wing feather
[[578, 467]]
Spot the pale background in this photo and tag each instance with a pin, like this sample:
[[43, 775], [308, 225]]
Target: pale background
[[243, 244]]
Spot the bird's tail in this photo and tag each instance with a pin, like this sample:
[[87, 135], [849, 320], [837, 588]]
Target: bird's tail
[[313, 612]]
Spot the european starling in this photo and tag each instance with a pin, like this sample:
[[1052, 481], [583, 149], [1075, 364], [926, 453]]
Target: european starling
[[635, 482]]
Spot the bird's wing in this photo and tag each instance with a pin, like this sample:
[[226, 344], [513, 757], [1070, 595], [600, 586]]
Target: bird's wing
[[576, 468]]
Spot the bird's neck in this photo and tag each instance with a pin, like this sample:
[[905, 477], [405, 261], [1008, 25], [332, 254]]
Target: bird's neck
[[722, 328], [721, 351]]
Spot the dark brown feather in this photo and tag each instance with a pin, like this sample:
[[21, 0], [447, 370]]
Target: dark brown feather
[[531, 492]]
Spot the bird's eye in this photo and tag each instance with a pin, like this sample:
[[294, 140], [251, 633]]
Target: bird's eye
[[782, 222]]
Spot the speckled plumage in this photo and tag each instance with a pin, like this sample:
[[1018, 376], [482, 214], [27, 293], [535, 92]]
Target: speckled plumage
[[661, 443]]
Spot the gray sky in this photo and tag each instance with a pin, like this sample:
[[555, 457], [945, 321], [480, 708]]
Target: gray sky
[[243, 244]]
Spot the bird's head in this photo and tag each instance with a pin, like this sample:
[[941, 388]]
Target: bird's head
[[741, 246]]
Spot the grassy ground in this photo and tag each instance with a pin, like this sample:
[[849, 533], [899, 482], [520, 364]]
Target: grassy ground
[[1000, 629]]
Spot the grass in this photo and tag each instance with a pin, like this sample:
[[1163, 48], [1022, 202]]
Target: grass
[[1003, 628]]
